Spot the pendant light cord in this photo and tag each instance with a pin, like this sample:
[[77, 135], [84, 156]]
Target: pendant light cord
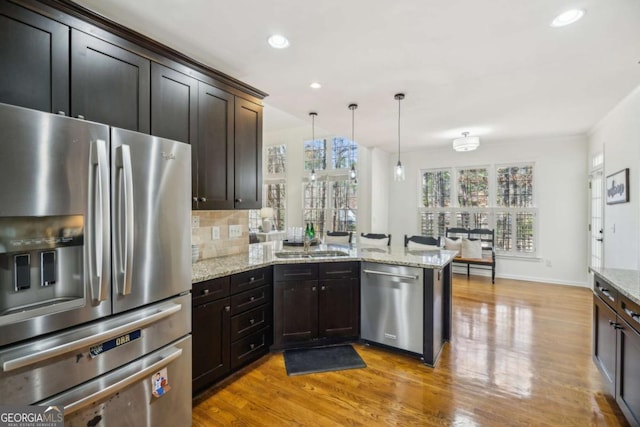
[[399, 101]]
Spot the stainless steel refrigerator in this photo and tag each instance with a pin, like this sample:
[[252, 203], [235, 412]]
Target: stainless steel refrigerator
[[95, 271]]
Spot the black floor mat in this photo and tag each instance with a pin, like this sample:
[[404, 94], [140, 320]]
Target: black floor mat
[[311, 360]]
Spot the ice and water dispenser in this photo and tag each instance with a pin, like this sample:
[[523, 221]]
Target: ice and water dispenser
[[41, 264]]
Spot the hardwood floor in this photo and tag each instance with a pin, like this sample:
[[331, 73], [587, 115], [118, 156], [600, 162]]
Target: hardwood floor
[[520, 354]]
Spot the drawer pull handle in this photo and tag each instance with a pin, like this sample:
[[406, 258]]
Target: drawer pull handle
[[251, 279], [606, 293], [252, 346], [252, 321], [322, 288], [313, 288], [205, 292], [633, 315], [227, 308], [252, 298]]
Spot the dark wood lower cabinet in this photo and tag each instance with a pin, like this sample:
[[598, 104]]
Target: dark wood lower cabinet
[[616, 346], [211, 345], [231, 324], [316, 304]]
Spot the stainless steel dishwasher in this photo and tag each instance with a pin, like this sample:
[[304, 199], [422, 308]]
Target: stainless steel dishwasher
[[392, 306]]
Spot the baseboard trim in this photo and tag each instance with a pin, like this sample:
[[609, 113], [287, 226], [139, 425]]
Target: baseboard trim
[[524, 278]]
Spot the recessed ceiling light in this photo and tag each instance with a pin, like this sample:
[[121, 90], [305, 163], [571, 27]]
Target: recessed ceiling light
[[278, 41], [315, 85], [568, 17]]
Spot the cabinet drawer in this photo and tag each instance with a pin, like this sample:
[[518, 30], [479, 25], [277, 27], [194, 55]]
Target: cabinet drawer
[[630, 311], [251, 321], [210, 290], [289, 272], [339, 270], [250, 279], [605, 291], [250, 299], [250, 348]]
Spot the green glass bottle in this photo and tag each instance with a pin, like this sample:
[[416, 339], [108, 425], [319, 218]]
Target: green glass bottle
[[307, 231], [312, 232]]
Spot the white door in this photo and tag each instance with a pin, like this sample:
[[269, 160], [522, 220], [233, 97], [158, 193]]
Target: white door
[[596, 223]]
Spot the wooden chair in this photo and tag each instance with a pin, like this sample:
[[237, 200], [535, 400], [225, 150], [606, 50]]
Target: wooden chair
[[421, 240], [487, 242], [376, 239], [338, 237]]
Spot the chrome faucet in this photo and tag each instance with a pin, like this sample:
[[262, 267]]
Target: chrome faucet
[[306, 242]]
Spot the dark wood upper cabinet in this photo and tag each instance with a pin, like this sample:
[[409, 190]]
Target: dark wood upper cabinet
[[214, 154], [174, 105], [109, 84], [248, 155], [34, 60]]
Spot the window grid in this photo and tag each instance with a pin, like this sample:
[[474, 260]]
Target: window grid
[[473, 187], [513, 217], [276, 159], [436, 189], [344, 206], [315, 155], [515, 186], [344, 153], [277, 199], [315, 204]]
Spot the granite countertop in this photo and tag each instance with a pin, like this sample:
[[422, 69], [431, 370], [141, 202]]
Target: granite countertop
[[627, 282], [263, 254]]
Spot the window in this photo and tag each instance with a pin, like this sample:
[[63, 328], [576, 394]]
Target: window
[[275, 188], [511, 212], [330, 202]]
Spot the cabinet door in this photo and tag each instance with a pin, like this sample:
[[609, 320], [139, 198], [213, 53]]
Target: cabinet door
[[628, 373], [339, 308], [34, 64], [215, 148], [248, 155], [211, 342], [295, 311], [604, 341], [109, 84], [174, 103]]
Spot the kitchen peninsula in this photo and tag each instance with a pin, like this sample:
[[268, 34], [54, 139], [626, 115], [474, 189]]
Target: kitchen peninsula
[[275, 297]]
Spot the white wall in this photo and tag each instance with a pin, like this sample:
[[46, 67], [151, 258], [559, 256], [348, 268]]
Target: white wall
[[560, 194], [618, 136]]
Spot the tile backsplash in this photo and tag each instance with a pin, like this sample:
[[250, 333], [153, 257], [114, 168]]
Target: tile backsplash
[[203, 229]]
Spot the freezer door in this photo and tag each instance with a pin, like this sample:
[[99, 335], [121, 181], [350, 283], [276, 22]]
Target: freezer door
[[154, 391], [151, 218], [39, 369], [54, 223]]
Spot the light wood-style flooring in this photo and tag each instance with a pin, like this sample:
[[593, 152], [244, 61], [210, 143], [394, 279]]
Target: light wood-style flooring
[[520, 355]]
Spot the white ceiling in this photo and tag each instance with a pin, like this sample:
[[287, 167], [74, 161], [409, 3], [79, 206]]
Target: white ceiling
[[492, 67]]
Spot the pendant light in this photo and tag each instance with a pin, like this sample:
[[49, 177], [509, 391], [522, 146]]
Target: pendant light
[[312, 175], [352, 173], [398, 173]]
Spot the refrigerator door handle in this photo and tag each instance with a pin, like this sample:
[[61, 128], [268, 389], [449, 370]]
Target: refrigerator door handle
[[98, 221], [114, 388], [83, 343], [125, 215]]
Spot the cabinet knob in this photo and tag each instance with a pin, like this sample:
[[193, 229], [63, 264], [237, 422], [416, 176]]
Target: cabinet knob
[[195, 199], [251, 279], [313, 288], [202, 199], [252, 321], [62, 113], [205, 292], [238, 200], [252, 299], [322, 288], [252, 346], [227, 309]]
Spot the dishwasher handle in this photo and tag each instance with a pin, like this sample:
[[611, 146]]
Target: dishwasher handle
[[384, 273]]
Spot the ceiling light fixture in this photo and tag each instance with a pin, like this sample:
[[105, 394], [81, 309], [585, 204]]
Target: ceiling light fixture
[[312, 175], [278, 41], [466, 143], [352, 173], [315, 85], [398, 174], [568, 17]]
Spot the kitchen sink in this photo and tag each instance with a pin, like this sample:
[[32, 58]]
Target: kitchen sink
[[323, 254], [290, 254], [310, 254]]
